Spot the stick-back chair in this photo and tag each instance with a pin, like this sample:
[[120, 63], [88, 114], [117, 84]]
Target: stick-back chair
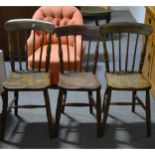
[[23, 77], [123, 62], [81, 75]]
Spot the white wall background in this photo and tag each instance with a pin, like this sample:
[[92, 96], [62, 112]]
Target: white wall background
[[119, 7], [138, 13]]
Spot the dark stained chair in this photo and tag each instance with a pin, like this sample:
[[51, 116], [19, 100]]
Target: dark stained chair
[[2, 79], [80, 77], [23, 77], [124, 62], [96, 13]]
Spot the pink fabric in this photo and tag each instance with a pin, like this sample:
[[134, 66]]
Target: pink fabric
[[59, 16], [54, 59]]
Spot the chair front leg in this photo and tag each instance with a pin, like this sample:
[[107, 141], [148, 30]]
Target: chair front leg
[[98, 109], [133, 100], [16, 102], [48, 112], [4, 114], [148, 114], [58, 113], [90, 96], [104, 97], [64, 101], [106, 103]]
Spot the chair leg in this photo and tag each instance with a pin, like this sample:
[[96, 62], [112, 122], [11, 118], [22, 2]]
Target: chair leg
[[4, 114], [98, 109], [48, 112], [104, 97], [96, 22], [133, 100], [16, 102], [148, 114], [106, 103], [58, 113], [90, 94], [64, 101]]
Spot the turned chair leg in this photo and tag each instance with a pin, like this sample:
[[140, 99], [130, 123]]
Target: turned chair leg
[[90, 96], [4, 114], [148, 114], [16, 94], [48, 112], [105, 108], [133, 100], [58, 113], [64, 101], [98, 109]]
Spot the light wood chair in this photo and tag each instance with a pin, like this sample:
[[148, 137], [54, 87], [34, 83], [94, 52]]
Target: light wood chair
[[23, 77], [124, 70], [81, 74]]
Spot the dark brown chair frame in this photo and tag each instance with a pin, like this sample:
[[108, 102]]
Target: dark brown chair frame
[[91, 33], [119, 28], [13, 29], [96, 13]]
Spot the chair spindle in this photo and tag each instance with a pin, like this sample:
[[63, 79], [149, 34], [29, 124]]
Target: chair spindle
[[134, 56], [127, 52]]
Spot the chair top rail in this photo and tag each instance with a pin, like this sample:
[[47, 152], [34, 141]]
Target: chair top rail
[[14, 24], [126, 27], [78, 30]]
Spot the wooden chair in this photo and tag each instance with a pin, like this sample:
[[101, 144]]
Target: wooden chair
[[124, 71], [2, 79], [96, 13], [22, 77], [80, 77]]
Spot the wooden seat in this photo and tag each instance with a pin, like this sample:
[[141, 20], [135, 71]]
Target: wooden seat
[[22, 77], [22, 81], [79, 81], [123, 81], [124, 67], [81, 76]]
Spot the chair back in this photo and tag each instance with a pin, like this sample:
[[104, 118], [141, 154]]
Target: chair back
[[86, 60], [18, 32], [124, 46]]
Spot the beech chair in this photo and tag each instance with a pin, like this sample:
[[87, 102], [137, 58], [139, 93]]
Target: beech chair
[[59, 16], [124, 67], [81, 75], [22, 77]]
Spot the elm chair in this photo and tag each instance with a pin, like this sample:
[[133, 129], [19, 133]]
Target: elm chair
[[81, 76], [124, 69], [59, 16], [22, 77]]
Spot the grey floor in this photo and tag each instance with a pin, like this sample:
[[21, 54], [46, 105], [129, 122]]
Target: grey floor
[[78, 127]]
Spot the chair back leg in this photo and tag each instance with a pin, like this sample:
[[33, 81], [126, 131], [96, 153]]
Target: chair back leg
[[148, 114], [48, 112], [4, 114]]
